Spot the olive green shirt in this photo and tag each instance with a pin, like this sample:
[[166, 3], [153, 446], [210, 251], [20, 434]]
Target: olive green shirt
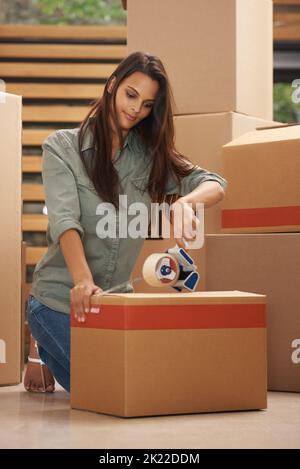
[[72, 201]]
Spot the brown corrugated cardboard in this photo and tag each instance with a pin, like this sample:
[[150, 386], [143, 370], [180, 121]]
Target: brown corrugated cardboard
[[218, 53], [156, 354], [267, 264], [10, 238], [23, 300], [201, 137], [263, 171]]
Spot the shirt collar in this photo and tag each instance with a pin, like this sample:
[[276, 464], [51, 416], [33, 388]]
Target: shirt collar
[[88, 140]]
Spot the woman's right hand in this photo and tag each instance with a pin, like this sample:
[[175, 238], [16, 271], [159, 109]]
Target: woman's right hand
[[80, 298]]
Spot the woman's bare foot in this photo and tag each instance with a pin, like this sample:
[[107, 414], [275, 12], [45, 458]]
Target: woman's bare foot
[[38, 377]]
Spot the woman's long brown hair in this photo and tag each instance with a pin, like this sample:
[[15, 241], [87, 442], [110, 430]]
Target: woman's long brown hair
[[156, 132]]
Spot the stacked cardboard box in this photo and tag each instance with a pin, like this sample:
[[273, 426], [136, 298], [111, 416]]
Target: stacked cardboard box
[[263, 169], [217, 53], [10, 239], [263, 203], [266, 263]]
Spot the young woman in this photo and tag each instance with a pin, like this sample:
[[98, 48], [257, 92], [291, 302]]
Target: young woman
[[124, 146]]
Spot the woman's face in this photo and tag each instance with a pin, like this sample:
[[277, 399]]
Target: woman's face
[[134, 99]]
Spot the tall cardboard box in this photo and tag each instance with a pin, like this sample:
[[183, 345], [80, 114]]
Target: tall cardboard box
[[156, 354], [217, 53], [263, 172], [267, 264], [10, 238]]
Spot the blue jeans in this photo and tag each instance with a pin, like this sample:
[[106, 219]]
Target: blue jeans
[[51, 329]]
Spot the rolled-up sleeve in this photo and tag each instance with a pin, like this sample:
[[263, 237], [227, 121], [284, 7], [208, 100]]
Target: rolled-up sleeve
[[193, 180], [61, 195]]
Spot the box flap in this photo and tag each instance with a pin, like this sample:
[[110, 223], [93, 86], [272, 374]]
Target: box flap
[[267, 135], [208, 297]]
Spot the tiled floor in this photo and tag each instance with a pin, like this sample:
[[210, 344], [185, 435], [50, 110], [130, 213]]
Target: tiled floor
[[46, 421]]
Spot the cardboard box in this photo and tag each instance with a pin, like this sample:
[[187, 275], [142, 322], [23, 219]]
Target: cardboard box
[[10, 238], [267, 264], [24, 329], [201, 137], [263, 171], [218, 53], [156, 354]]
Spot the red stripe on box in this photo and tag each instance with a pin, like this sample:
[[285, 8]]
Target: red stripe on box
[[143, 317], [253, 217]]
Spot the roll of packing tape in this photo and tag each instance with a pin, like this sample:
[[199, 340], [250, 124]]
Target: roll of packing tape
[[161, 270]]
